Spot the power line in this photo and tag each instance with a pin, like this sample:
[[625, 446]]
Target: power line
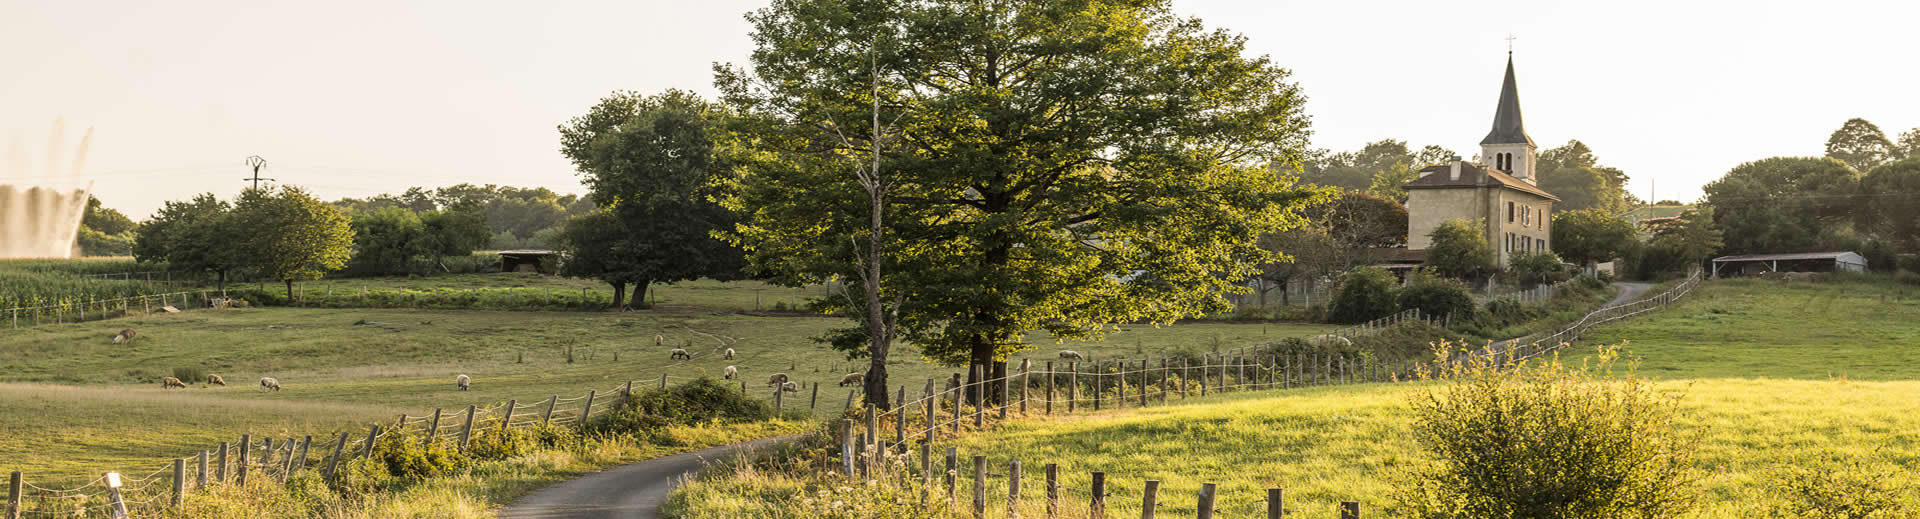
[[257, 163]]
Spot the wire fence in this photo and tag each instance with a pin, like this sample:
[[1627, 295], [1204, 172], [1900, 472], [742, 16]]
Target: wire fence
[[1541, 344], [110, 308]]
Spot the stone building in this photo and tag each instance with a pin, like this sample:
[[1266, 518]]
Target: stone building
[[1503, 194]]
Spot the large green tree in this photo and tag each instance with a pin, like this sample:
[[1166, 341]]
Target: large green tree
[[388, 240], [1784, 204], [596, 245], [1909, 145], [290, 236], [1860, 144], [1060, 164], [1573, 173], [193, 235], [650, 161], [1890, 208], [1340, 232], [1460, 249], [1591, 236], [105, 231], [1682, 245]]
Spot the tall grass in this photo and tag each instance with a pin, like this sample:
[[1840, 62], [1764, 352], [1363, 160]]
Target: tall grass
[[41, 283]]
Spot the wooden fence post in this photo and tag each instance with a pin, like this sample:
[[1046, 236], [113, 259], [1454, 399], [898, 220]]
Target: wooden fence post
[[1050, 377], [300, 461], [1206, 367], [811, 402], [846, 447], [508, 419], [240, 469], [220, 473], [1206, 501], [1149, 498], [548, 416], [979, 486], [926, 471], [1099, 387], [1006, 394], [1163, 379], [1183, 378], [953, 460], [1276, 504], [1053, 489], [466, 429], [334, 462], [957, 389], [1143, 382], [1097, 503], [373, 433], [900, 421], [780, 399], [1073, 386], [14, 487], [200, 475], [1026, 384], [1349, 510], [979, 395], [588, 409], [1013, 489], [179, 481], [433, 427]]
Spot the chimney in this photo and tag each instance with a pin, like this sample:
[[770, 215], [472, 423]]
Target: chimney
[[1453, 173]]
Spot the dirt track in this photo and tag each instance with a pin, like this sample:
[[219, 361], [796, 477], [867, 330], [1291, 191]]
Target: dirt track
[[629, 491]]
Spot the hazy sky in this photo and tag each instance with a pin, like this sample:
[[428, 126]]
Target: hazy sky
[[356, 98]]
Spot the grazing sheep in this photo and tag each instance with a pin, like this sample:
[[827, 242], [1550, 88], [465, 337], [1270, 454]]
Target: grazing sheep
[[267, 383], [729, 353], [678, 353], [462, 381], [731, 372], [1331, 338], [125, 336], [854, 379], [659, 340], [790, 387], [172, 382], [1070, 354], [777, 379], [215, 380]]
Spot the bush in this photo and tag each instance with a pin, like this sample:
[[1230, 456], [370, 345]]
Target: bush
[[1538, 267], [1547, 441], [1363, 294], [1437, 296], [1830, 489], [400, 460], [701, 401], [190, 374]]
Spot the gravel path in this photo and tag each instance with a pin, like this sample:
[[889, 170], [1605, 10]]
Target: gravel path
[[628, 491]]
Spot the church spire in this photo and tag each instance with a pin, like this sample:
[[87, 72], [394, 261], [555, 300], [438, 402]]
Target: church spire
[[1507, 128]]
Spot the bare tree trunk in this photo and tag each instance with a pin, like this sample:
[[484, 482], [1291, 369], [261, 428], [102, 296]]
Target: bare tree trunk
[[619, 292]]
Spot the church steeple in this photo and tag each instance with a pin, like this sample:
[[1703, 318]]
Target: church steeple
[[1508, 148], [1507, 127]]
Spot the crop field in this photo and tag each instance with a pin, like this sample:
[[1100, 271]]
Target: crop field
[[71, 401], [33, 283], [1769, 375]]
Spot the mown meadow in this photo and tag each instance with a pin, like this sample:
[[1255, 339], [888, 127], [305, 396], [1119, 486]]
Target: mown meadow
[[1775, 379]]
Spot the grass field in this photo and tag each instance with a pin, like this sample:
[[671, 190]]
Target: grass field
[[345, 367], [1771, 376]]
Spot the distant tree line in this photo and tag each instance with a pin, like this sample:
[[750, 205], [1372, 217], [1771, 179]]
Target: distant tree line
[[283, 234], [516, 217]]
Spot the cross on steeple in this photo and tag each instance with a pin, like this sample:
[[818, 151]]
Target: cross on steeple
[[1510, 38]]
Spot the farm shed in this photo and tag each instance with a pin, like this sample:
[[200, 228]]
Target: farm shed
[[525, 260], [1795, 262]]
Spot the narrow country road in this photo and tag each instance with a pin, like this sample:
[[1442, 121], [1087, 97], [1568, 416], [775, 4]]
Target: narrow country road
[[1629, 292], [628, 491]]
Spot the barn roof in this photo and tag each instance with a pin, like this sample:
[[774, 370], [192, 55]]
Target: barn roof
[[1792, 256]]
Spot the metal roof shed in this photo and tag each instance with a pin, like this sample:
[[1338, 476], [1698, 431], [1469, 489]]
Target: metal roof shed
[[525, 260], [1841, 261]]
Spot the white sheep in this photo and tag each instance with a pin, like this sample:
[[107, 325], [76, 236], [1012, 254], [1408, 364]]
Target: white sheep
[[659, 340], [790, 387], [172, 382], [267, 383], [776, 379], [731, 372], [1329, 338], [215, 380], [125, 336], [854, 379], [729, 353], [1070, 354], [462, 381], [678, 353]]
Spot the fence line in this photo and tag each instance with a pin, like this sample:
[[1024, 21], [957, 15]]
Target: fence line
[[102, 309], [1536, 345]]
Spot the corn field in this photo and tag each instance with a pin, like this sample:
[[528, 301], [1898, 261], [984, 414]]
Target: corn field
[[32, 283]]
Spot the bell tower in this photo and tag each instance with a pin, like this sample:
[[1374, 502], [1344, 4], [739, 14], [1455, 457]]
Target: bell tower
[[1508, 148]]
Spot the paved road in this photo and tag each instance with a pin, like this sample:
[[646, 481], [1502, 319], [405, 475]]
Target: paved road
[[628, 491], [1629, 292]]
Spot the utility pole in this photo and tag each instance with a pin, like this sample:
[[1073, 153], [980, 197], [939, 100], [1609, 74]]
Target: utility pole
[[257, 163]]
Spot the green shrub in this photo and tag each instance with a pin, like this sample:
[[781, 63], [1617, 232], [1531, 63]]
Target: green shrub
[[1363, 294], [703, 400], [190, 374], [1537, 267], [400, 460], [1434, 295], [1835, 489], [1547, 441]]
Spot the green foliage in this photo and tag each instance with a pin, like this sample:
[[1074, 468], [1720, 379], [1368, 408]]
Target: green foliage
[[1339, 233], [399, 461], [515, 217], [1547, 441], [1682, 246], [290, 236], [1832, 488], [1363, 294], [1537, 267], [1460, 249], [702, 400], [194, 236], [388, 240], [1592, 236], [1890, 208], [1036, 193], [651, 163], [455, 231], [1860, 144], [1434, 295], [104, 231], [1573, 173], [1783, 204], [1373, 168]]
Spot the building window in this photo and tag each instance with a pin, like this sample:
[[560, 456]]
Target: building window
[[1527, 242], [1509, 212], [1526, 215]]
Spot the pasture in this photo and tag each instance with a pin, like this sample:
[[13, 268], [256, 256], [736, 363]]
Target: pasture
[[1770, 375], [345, 367]]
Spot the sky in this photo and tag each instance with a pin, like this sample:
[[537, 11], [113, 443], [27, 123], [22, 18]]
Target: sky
[[355, 98]]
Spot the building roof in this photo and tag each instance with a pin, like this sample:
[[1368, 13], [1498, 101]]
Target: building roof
[[1507, 127], [1438, 177], [1836, 256], [524, 252]]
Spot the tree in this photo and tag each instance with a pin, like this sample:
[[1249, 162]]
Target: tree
[[1891, 203], [197, 234], [104, 231], [594, 246], [1363, 169], [1537, 267], [291, 236], [650, 161], [1435, 295], [1591, 236], [1784, 204], [388, 240], [1572, 172], [1909, 145], [1363, 294], [455, 230], [1050, 175], [1860, 144], [1460, 249]]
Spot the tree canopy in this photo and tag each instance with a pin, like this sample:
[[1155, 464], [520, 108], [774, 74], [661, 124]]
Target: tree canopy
[[1860, 144], [193, 235], [650, 161], [1380, 168], [1784, 204], [1573, 173], [291, 236], [1460, 249], [1590, 236], [1890, 209], [1679, 246], [1060, 165]]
